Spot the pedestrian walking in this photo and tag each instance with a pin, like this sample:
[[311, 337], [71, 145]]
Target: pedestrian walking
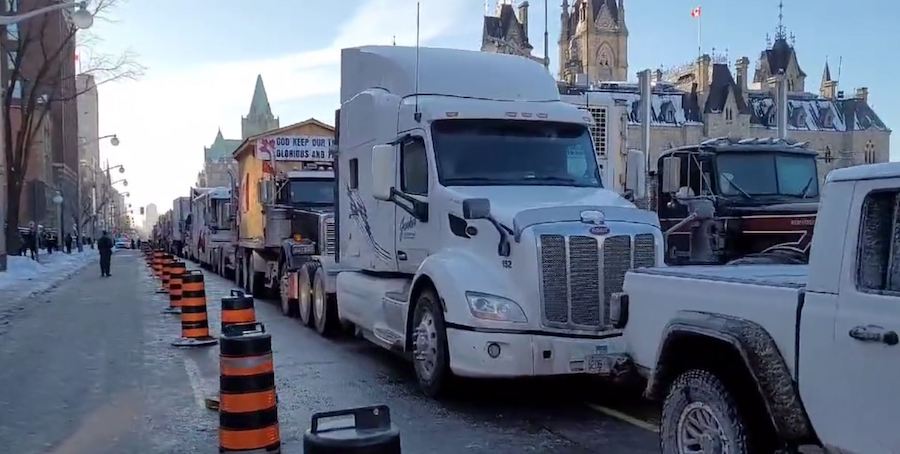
[[132, 243], [105, 246], [68, 243]]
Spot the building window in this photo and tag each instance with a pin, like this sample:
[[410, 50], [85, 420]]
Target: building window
[[870, 153], [729, 115], [879, 244]]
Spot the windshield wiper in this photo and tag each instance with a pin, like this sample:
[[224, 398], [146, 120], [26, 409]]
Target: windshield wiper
[[806, 188], [450, 181], [551, 178], [740, 189]]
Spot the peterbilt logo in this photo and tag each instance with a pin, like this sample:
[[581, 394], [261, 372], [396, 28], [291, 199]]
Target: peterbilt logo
[[598, 219]]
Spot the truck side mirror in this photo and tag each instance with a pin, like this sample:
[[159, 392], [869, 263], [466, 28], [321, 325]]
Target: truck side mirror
[[384, 168], [671, 178], [476, 209], [636, 174]]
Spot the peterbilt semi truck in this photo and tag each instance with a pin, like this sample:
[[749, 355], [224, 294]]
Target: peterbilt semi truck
[[474, 232]]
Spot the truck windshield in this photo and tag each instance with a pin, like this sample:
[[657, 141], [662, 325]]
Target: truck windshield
[[315, 192], [749, 174], [514, 153]]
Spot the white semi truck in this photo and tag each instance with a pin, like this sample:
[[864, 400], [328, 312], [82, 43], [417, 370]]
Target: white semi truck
[[213, 239], [754, 358], [181, 211], [474, 234]]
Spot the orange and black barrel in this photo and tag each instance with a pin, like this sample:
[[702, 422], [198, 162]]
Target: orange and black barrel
[[176, 289], [237, 310], [167, 261], [157, 264], [365, 430], [194, 320], [248, 405]]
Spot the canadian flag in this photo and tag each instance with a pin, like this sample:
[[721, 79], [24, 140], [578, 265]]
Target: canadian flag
[[695, 12]]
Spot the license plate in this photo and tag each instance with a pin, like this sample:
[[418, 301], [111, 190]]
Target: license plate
[[597, 364]]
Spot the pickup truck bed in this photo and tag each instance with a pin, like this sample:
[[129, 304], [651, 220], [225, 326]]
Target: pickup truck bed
[[775, 275], [769, 295]]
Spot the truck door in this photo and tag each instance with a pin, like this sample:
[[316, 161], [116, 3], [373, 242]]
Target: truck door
[[414, 232], [865, 375]]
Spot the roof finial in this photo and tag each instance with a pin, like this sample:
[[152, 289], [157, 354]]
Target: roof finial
[[780, 34]]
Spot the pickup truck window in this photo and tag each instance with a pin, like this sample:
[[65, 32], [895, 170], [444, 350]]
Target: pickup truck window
[[878, 264]]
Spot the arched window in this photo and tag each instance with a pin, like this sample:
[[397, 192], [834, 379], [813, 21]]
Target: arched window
[[729, 114], [870, 152]]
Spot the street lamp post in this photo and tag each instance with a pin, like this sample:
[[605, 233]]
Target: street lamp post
[[58, 201], [82, 19]]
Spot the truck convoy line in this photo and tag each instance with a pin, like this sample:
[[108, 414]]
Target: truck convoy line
[[462, 222]]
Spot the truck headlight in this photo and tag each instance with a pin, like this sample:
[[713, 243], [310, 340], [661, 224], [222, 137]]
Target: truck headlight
[[492, 307]]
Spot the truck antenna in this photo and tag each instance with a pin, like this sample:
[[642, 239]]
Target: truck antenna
[[546, 37], [417, 115]]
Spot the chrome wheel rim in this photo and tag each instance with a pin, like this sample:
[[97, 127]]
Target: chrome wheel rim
[[426, 346], [699, 431]]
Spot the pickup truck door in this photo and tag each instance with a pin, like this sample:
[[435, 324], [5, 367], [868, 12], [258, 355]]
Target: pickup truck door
[[865, 383]]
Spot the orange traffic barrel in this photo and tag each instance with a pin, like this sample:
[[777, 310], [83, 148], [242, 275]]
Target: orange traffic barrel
[[157, 263], [357, 431], [237, 310], [167, 261], [248, 404], [176, 274], [194, 320]]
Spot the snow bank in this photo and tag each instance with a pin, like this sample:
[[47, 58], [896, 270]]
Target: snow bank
[[29, 275]]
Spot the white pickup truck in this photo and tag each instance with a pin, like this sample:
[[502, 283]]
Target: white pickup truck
[[755, 358]]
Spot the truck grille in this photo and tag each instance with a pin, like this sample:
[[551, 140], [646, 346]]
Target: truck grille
[[579, 273], [329, 236]]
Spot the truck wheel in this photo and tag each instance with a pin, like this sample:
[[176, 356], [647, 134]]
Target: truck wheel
[[258, 284], [431, 358], [304, 285], [288, 304], [324, 310], [700, 416]]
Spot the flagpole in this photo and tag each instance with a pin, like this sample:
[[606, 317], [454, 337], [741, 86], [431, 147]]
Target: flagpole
[[700, 33]]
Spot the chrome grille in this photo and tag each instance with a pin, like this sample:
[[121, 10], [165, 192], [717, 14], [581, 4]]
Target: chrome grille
[[584, 272], [555, 280], [579, 273], [329, 236], [616, 262], [644, 250]]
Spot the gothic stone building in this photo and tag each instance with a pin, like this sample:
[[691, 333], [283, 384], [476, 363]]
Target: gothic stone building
[[706, 99], [217, 158], [507, 33]]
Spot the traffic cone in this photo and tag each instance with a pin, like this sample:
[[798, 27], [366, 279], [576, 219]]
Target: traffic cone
[[157, 264], [237, 310], [194, 321], [370, 433], [248, 404], [176, 275]]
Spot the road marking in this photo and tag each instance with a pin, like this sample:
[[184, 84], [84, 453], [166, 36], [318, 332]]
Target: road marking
[[623, 417], [193, 373]]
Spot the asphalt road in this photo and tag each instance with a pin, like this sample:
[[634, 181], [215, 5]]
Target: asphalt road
[[88, 368]]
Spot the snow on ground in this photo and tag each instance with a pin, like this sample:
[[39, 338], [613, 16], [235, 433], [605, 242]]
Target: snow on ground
[[25, 277]]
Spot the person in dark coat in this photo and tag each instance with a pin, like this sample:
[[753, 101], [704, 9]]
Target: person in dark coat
[[105, 246], [68, 243]]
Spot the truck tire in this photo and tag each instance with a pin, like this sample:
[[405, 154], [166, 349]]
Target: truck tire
[[324, 310], [431, 358], [304, 284], [288, 304], [701, 415]]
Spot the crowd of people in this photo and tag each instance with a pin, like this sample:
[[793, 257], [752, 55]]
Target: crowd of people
[[32, 240]]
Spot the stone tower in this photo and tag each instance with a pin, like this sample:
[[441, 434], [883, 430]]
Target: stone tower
[[593, 41], [260, 118]]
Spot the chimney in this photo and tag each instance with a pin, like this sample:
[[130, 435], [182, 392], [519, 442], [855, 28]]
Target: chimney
[[863, 94], [523, 16], [743, 70], [703, 71]]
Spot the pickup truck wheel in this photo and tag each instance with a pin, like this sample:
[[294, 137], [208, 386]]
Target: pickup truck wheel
[[324, 310], [304, 286], [431, 358], [701, 416]]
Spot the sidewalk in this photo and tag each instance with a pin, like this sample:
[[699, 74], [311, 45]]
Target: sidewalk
[[25, 277]]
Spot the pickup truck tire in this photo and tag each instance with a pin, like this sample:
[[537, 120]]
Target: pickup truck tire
[[431, 358], [700, 415]]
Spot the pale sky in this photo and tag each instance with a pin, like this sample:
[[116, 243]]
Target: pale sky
[[202, 58]]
